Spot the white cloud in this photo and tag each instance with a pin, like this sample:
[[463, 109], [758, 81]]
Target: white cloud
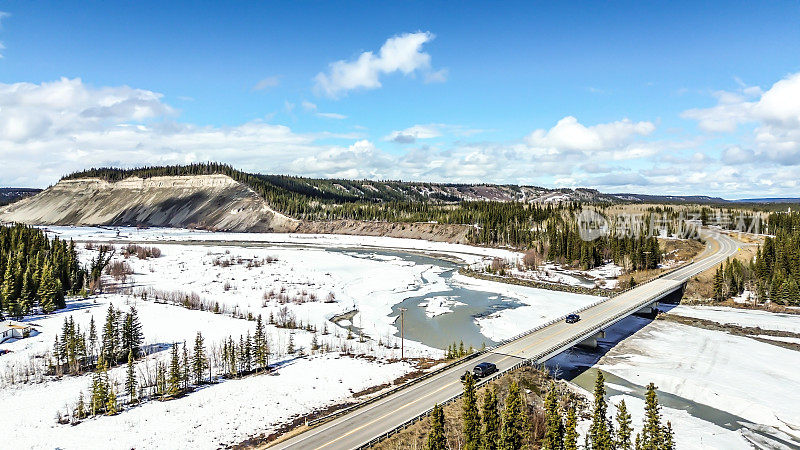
[[266, 83], [776, 113], [401, 53], [569, 135], [737, 155], [308, 106]]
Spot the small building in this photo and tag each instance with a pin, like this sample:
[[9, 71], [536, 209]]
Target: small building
[[13, 330]]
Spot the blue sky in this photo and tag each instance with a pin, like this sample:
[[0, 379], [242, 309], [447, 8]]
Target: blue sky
[[622, 96]]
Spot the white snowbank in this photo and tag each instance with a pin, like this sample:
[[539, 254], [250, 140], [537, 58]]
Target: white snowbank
[[690, 432], [736, 374], [436, 306], [741, 317]]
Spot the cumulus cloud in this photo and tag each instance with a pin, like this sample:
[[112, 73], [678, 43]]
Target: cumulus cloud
[[401, 53], [775, 113], [570, 135], [52, 128], [266, 83]]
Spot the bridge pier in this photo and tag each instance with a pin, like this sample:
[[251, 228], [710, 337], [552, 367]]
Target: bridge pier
[[591, 342], [649, 309]]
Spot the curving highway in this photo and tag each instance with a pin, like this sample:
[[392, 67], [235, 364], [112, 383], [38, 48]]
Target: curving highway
[[364, 424]]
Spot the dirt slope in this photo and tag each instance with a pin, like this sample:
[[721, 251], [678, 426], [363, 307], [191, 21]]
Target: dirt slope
[[213, 202]]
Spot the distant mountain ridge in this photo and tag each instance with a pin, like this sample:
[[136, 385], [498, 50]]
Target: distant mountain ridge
[[10, 195]]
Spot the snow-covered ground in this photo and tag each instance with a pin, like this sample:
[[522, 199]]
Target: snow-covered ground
[[436, 306], [741, 317], [690, 432], [539, 306], [736, 374], [468, 253], [224, 413]]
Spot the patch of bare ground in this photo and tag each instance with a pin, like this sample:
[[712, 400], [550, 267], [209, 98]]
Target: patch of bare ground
[[533, 384], [756, 333]]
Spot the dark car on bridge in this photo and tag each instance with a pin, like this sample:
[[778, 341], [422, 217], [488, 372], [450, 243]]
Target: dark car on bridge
[[481, 370], [572, 318]]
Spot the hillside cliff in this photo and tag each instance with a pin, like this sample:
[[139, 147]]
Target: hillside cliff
[[213, 202]]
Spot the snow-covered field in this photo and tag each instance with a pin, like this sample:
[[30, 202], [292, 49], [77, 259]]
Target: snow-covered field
[[741, 317], [267, 274], [735, 374], [539, 306], [224, 413]]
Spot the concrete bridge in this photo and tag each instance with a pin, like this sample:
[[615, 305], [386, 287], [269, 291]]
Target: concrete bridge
[[362, 425]]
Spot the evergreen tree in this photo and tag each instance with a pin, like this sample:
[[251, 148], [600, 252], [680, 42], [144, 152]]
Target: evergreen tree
[[185, 367], [130, 379], [554, 428], [259, 341], [472, 421], [80, 408], [669, 438], [571, 430], [110, 345], [624, 430], [290, 347], [491, 421], [92, 339], [174, 372], [599, 433], [511, 434], [436, 437], [132, 337], [48, 290], [652, 438], [199, 363]]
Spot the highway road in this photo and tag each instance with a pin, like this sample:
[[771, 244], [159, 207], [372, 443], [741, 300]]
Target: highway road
[[361, 425]]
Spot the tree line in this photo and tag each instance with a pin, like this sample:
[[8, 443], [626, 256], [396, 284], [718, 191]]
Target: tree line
[[488, 427], [37, 272]]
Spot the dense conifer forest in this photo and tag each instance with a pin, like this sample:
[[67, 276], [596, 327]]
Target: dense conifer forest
[[37, 271], [774, 273]]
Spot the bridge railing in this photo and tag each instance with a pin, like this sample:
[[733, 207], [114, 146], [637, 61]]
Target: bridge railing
[[452, 399]]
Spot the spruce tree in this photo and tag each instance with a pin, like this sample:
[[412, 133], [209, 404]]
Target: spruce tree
[[624, 430], [554, 427], [130, 379], [491, 421], [185, 367], [652, 431], [511, 434], [199, 363], [436, 437], [571, 430], [599, 433], [80, 408], [669, 437], [174, 372], [47, 291], [110, 340], [472, 421]]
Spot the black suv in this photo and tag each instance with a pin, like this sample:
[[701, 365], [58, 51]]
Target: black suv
[[572, 318]]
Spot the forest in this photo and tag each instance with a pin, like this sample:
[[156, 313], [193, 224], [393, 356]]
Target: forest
[[774, 273], [38, 272]]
